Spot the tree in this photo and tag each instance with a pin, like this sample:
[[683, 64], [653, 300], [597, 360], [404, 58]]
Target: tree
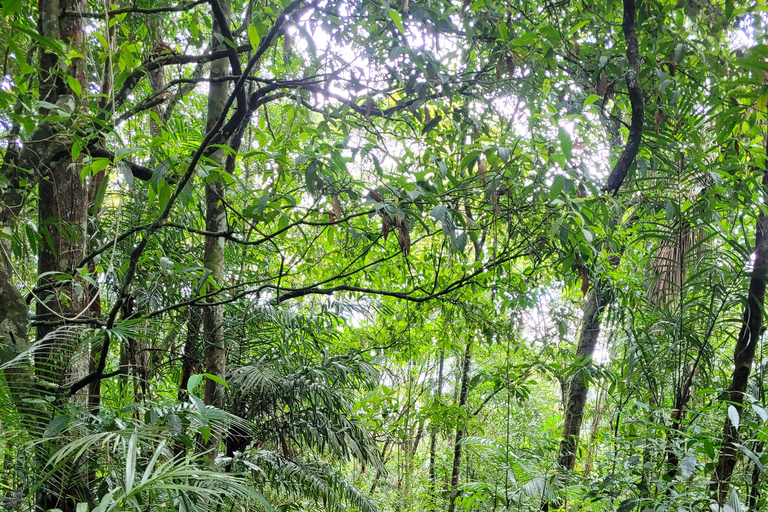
[[276, 243]]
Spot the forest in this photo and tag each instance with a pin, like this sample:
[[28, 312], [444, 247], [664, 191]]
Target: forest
[[383, 256]]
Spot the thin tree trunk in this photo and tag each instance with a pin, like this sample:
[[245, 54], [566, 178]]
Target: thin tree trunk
[[433, 434], [754, 490], [682, 397], [378, 472], [744, 355], [460, 428], [577, 387], [216, 220], [190, 359]]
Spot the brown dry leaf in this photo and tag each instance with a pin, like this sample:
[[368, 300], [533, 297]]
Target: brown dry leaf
[[161, 47], [581, 191], [385, 226], [403, 237], [427, 114], [331, 217], [336, 206], [584, 279], [482, 168], [602, 84], [576, 48], [404, 5], [511, 65], [658, 117]]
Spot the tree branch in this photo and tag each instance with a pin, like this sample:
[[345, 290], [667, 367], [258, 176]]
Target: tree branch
[[135, 10], [619, 172]]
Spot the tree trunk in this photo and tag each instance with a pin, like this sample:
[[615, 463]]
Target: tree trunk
[[63, 199], [577, 388], [62, 219], [460, 428], [190, 359], [743, 356], [682, 397], [14, 339], [216, 220], [754, 490], [433, 434]]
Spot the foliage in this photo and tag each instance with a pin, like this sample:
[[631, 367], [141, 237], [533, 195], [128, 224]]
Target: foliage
[[383, 255]]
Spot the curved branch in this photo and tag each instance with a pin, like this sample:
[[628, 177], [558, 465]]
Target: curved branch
[[619, 172]]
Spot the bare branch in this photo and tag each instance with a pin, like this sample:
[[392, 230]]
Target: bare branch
[[136, 10], [619, 172]]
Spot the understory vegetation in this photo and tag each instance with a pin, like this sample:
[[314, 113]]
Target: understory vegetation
[[425, 255]]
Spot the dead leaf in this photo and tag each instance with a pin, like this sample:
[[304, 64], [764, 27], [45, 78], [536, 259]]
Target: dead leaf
[[576, 48], [336, 206], [584, 279], [385, 226], [161, 47], [658, 117], [482, 168], [602, 84], [403, 237], [511, 65], [375, 195]]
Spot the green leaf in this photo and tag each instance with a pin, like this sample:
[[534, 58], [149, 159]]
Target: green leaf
[[431, 124], [760, 412], [217, 379], [752, 456], [253, 37], [503, 30], [687, 466], [589, 100], [193, 382], [56, 425], [99, 197], [628, 505], [397, 19], [565, 142], [74, 85]]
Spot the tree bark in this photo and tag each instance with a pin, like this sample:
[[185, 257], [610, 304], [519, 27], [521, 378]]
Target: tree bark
[[433, 434], [62, 219], [744, 355], [63, 199], [216, 220], [460, 427], [754, 490], [577, 388], [682, 397]]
